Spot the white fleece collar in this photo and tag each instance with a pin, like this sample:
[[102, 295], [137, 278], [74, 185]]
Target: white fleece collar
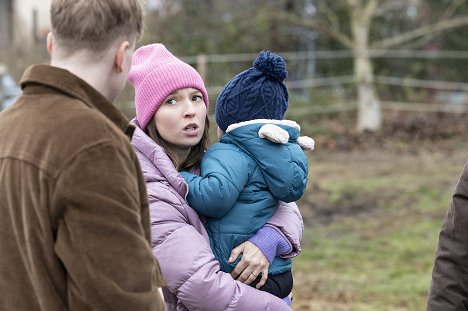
[[271, 131], [271, 121]]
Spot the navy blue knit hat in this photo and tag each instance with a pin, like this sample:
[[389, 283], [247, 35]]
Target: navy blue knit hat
[[256, 93]]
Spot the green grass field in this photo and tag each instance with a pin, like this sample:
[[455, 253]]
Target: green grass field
[[375, 249]]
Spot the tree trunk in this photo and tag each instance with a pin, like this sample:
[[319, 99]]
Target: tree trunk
[[369, 108]]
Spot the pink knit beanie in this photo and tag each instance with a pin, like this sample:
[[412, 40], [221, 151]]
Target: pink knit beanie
[[155, 74]]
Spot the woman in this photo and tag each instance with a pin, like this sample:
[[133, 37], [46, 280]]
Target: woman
[[171, 134]]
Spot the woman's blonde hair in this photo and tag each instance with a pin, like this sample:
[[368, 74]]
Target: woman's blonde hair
[[95, 25], [196, 153]]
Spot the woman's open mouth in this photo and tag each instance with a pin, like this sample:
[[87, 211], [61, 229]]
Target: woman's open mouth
[[191, 129]]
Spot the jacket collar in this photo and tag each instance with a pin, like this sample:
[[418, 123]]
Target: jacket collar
[[290, 123], [39, 78], [156, 164]]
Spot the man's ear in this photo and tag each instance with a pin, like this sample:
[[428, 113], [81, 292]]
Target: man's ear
[[50, 43], [120, 56]]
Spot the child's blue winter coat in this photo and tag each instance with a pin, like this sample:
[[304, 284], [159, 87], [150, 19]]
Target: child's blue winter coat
[[242, 179]]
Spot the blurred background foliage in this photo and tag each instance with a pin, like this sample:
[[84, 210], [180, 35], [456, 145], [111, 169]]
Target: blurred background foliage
[[206, 27]]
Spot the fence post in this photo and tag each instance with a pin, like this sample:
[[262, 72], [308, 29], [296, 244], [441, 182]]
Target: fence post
[[202, 67], [2, 91]]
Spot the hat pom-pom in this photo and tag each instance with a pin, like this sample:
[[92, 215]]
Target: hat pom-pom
[[271, 65]]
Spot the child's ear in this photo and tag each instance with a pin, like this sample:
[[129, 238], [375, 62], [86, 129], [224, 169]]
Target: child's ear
[[120, 56]]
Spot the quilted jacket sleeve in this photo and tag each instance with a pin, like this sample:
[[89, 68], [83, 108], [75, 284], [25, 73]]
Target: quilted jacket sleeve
[[449, 285], [214, 192], [189, 266]]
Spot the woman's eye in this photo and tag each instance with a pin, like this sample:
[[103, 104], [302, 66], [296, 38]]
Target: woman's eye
[[171, 101], [197, 98]]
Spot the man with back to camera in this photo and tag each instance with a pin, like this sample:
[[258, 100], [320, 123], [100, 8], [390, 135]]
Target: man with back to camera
[[74, 225]]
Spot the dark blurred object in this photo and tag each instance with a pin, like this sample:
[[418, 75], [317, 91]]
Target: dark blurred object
[[9, 89]]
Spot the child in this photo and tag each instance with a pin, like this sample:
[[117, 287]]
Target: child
[[257, 163]]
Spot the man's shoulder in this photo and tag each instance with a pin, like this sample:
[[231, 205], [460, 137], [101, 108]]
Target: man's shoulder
[[80, 126], [50, 134], [88, 129]]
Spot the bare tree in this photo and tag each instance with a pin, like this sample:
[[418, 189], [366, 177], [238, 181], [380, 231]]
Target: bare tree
[[354, 33]]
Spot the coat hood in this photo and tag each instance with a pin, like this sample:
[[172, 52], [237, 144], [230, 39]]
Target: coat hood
[[274, 146]]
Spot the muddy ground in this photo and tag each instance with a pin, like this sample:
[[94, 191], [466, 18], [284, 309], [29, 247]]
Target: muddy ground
[[406, 136]]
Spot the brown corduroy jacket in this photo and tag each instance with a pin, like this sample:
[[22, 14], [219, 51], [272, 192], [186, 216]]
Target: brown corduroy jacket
[[74, 218], [449, 285]]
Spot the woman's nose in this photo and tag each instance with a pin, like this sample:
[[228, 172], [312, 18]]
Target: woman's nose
[[189, 109]]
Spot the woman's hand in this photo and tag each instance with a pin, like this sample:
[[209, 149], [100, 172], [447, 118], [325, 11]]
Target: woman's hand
[[252, 264]]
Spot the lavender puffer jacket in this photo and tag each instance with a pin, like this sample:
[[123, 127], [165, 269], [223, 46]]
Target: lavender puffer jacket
[[181, 244]]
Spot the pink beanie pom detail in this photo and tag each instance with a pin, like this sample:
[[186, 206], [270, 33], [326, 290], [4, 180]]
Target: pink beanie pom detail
[[155, 74]]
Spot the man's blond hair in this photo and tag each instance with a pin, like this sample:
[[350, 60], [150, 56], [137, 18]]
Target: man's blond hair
[[94, 24]]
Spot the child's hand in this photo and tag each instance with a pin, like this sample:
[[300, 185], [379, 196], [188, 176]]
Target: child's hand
[[252, 264]]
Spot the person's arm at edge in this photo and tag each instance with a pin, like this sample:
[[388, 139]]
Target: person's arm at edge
[[449, 284]]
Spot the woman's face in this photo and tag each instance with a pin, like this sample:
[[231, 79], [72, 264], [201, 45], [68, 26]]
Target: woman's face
[[180, 120]]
